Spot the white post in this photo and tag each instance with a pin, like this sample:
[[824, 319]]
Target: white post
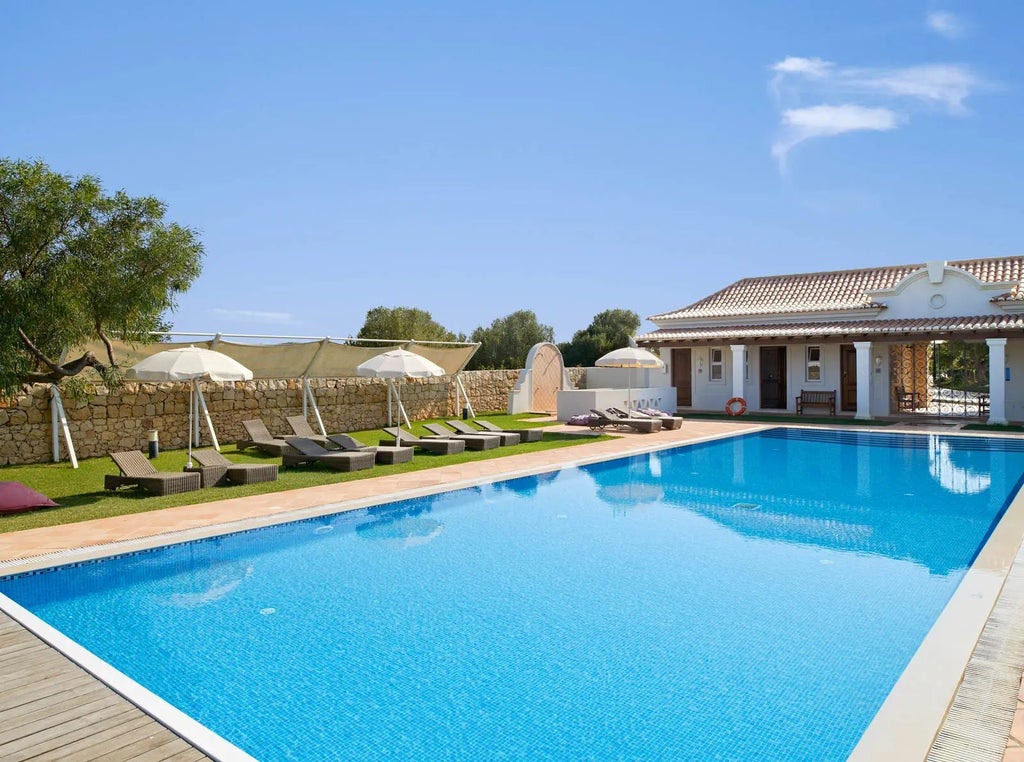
[[863, 380], [59, 423], [206, 414], [390, 382], [458, 381], [307, 390], [996, 381], [738, 368]]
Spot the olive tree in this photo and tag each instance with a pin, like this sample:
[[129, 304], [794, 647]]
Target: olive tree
[[77, 266], [507, 341], [403, 323], [609, 330]]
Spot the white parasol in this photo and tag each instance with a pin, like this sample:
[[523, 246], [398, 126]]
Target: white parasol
[[398, 364], [189, 364], [630, 357]]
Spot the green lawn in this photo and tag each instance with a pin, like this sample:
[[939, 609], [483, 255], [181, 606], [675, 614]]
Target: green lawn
[[82, 497]]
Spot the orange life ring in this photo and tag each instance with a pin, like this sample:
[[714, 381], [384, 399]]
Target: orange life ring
[[736, 401]]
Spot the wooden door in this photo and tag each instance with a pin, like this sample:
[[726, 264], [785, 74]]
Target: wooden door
[[547, 379], [847, 377], [773, 378], [682, 377]]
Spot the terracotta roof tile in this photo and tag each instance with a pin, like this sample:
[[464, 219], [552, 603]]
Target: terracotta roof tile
[[832, 291], [983, 324]]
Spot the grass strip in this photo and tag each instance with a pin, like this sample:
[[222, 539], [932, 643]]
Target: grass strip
[[82, 497]]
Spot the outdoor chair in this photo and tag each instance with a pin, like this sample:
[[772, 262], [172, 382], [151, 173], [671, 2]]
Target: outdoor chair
[[307, 451], [642, 425], [507, 438], [384, 454], [261, 438], [302, 428], [667, 421], [525, 435], [136, 470], [478, 441], [215, 470], [436, 445]]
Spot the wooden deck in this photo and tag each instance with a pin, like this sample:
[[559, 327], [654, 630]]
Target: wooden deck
[[52, 709]]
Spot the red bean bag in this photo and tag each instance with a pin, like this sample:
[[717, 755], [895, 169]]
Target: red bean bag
[[16, 497]]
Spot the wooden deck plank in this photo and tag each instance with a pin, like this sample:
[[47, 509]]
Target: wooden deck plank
[[43, 709], [154, 749], [122, 734], [51, 709]]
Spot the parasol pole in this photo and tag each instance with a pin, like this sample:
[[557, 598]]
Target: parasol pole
[[191, 385]]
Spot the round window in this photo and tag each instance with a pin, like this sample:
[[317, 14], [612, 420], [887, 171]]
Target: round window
[[937, 301]]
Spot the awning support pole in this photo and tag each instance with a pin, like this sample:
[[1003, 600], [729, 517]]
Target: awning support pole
[[206, 414], [459, 387], [307, 393], [402, 415], [59, 424]]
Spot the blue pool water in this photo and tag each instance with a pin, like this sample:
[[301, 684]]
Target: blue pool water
[[752, 598]]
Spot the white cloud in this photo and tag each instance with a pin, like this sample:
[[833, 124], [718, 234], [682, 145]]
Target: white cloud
[[255, 316], [873, 98], [947, 24], [812, 67], [800, 124], [946, 85]]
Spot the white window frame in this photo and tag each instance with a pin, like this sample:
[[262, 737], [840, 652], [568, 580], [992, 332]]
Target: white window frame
[[719, 363], [812, 364]]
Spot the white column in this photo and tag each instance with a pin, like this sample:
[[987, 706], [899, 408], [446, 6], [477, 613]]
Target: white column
[[996, 381], [863, 380], [738, 368]]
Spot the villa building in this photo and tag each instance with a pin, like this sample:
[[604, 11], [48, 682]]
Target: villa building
[[931, 339]]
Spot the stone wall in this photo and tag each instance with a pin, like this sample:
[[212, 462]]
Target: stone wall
[[108, 421]]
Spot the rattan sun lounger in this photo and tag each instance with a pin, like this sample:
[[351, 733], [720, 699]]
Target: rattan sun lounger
[[137, 471], [667, 421], [525, 435], [302, 428], [307, 451], [478, 441], [436, 445], [216, 470], [384, 454], [604, 418], [261, 438], [507, 438]]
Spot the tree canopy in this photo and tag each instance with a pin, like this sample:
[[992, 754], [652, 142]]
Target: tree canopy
[[404, 323], [78, 265], [508, 340], [609, 330]]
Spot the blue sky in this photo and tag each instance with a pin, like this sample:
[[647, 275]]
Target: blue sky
[[472, 159]]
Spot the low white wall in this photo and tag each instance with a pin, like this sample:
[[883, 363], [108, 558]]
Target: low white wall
[[578, 401]]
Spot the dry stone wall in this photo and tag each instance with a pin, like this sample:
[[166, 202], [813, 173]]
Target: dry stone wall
[[107, 421]]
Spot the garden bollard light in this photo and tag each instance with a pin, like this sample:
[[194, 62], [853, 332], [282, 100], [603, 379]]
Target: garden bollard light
[[154, 442]]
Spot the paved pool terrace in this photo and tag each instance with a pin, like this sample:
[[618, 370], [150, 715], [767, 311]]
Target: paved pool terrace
[[52, 709]]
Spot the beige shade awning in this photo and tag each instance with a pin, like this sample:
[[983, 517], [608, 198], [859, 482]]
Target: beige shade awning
[[294, 359]]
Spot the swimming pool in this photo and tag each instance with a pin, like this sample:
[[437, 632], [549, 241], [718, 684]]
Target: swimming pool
[[755, 597]]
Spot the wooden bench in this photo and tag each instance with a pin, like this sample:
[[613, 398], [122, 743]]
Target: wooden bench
[[819, 399]]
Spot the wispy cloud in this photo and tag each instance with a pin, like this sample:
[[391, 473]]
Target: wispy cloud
[[872, 98], [946, 23], [800, 124], [255, 316]]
